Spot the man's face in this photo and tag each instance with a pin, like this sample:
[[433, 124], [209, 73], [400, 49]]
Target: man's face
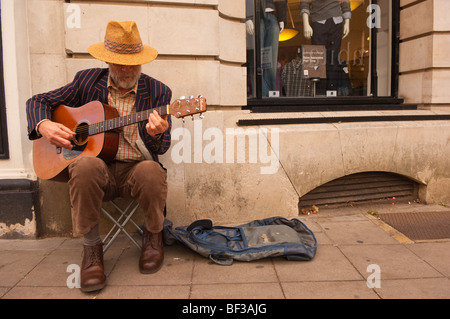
[[125, 76]]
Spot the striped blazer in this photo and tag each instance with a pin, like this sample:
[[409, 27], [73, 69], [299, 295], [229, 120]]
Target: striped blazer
[[91, 85]]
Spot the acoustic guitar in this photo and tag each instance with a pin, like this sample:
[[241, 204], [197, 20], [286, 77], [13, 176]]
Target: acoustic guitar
[[97, 133]]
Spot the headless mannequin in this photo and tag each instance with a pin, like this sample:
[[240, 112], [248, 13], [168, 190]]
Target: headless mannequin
[[308, 30], [269, 75], [272, 24], [251, 27], [329, 31]]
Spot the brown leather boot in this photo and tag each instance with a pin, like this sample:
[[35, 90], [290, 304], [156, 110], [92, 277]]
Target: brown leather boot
[[92, 275], [152, 255]]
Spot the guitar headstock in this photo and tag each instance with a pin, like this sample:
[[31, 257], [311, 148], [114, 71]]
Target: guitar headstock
[[183, 107]]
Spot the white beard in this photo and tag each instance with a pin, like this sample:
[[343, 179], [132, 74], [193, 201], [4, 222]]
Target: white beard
[[125, 81]]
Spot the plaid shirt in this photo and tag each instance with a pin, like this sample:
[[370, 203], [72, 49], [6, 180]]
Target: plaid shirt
[[125, 105], [92, 85], [294, 81]]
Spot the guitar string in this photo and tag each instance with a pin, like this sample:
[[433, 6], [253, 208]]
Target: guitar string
[[123, 119]]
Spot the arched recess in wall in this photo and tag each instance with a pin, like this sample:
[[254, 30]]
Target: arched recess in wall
[[361, 187]]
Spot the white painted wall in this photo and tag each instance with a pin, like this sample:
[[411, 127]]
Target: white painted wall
[[17, 89]]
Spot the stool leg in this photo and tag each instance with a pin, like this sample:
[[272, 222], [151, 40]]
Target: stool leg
[[128, 212], [122, 214], [132, 212]]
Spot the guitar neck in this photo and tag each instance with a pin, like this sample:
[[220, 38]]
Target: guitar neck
[[123, 121]]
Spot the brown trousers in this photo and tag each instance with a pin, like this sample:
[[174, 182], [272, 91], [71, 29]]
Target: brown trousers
[[93, 182]]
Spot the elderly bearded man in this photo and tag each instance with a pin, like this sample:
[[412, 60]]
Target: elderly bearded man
[[91, 180]]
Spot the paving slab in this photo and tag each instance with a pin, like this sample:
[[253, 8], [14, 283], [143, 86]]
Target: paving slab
[[207, 272], [329, 290], [436, 254], [176, 270], [420, 288], [356, 232], [395, 261], [329, 264]]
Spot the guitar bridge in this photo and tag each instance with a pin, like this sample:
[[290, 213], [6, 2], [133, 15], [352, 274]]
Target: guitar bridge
[[74, 152]]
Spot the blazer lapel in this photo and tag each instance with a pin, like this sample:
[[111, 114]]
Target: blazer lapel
[[143, 96], [101, 89]]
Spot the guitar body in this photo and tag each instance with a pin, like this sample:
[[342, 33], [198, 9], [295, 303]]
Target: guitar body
[[51, 162]]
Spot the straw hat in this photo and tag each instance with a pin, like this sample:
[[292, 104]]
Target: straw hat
[[123, 45]]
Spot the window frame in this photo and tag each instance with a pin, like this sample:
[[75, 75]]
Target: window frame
[[302, 104], [4, 146]]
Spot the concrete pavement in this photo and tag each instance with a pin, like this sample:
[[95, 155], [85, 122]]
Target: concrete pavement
[[358, 256]]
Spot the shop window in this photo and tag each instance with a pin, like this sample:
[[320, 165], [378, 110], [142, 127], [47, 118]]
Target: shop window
[[321, 49], [4, 150]]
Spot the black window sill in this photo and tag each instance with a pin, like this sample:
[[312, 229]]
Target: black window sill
[[322, 104]]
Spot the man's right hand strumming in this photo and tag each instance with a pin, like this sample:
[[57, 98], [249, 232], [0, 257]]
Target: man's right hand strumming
[[56, 134]]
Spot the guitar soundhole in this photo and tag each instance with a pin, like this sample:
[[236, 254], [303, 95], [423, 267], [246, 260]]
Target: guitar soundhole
[[79, 142], [82, 131]]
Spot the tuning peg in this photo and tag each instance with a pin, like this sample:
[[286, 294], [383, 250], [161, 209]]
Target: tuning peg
[[191, 97], [192, 117], [200, 96], [202, 116], [182, 97]]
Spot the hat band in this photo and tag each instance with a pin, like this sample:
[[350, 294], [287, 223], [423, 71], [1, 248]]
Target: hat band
[[123, 48]]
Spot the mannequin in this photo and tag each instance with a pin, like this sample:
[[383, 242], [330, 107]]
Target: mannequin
[[327, 22], [308, 31], [273, 18]]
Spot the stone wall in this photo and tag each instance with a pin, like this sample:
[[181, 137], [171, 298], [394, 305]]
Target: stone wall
[[424, 58]]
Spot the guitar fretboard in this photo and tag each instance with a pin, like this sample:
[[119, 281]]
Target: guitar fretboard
[[118, 122]]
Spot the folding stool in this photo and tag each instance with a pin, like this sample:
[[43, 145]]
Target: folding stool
[[125, 216]]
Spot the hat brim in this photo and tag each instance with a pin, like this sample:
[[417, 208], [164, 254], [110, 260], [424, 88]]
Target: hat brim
[[99, 52]]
